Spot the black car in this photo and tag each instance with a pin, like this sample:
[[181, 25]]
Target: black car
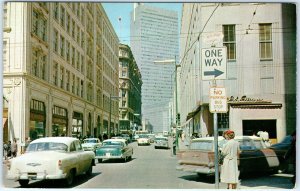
[[281, 150]]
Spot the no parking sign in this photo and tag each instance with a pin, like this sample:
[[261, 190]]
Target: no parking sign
[[217, 100]]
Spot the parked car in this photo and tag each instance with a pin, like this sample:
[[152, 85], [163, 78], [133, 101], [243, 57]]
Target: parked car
[[161, 142], [51, 158], [143, 140], [114, 149], [281, 150], [91, 144], [254, 156]]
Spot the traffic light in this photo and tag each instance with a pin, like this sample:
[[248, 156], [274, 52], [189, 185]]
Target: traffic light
[[178, 118]]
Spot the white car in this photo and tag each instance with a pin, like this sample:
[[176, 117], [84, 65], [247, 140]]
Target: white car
[[91, 144], [51, 158], [161, 142], [143, 140]]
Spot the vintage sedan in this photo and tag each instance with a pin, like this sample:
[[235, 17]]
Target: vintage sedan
[[51, 158], [161, 142], [254, 156], [91, 144], [143, 140], [114, 149]]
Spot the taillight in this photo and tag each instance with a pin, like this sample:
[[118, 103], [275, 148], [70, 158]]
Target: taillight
[[59, 163]]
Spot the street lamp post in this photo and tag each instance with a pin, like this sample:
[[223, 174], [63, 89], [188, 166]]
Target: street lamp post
[[176, 101], [109, 124]]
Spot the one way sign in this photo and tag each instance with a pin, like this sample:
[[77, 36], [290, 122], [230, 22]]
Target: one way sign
[[214, 63]]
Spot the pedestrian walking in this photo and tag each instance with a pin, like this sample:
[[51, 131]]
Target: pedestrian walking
[[14, 148], [8, 154], [229, 168], [5, 149]]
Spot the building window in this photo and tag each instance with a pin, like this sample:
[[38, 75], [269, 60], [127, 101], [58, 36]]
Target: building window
[[55, 11], [34, 63], [62, 46], [229, 41], [39, 25], [73, 83], [73, 57], [39, 64], [62, 77], [43, 66], [62, 17], [55, 40], [68, 51], [55, 73], [68, 19], [67, 80], [35, 20], [265, 41]]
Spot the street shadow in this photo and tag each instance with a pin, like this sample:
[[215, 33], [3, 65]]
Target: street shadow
[[281, 181], [109, 161], [80, 179], [199, 178]]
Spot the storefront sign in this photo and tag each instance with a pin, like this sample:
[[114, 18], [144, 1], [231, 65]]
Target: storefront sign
[[245, 99]]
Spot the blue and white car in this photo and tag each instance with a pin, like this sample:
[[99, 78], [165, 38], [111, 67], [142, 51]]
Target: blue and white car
[[91, 144]]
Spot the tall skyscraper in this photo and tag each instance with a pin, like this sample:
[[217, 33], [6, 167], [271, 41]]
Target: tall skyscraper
[[154, 37]]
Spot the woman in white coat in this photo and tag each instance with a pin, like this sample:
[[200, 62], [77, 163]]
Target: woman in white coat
[[229, 169]]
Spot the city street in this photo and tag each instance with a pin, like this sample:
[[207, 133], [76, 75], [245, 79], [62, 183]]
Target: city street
[[153, 169]]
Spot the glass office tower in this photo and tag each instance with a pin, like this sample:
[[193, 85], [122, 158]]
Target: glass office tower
[[154, 37]]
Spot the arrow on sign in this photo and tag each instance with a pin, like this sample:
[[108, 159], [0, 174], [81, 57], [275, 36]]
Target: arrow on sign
[[215, 73]]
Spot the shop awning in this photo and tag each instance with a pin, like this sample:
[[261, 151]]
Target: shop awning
[[257, 106], [194, 112]]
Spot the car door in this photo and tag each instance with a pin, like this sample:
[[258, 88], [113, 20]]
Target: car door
[[251, 158], [81, 157]]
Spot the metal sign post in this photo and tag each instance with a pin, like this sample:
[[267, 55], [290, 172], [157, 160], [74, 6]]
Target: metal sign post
[[214, 67], [216, 151]]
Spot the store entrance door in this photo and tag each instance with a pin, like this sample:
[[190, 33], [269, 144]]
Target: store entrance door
[[251, 127]]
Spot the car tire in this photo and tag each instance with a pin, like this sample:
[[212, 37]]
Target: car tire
[[155, 147], [23, 183], [99, 160], [70, 178], [89, 172]]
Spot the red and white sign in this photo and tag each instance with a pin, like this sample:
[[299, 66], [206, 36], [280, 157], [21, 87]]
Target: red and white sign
[[217, 100]]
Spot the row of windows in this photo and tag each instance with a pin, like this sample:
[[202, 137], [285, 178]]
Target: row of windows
[[265, 41]]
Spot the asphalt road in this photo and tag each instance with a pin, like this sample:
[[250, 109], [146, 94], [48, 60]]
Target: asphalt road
[[153, 169]]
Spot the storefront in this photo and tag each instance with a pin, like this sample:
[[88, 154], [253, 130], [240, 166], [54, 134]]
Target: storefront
[[77, 125], [59, 121], [37, 124], [246, 116]]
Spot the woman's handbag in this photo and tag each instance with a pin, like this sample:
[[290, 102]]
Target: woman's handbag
[[221, 158]]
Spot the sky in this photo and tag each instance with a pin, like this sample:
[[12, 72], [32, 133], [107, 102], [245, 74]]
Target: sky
[[115, 11]]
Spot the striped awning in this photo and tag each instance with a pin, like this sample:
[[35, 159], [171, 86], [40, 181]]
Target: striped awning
[[257, 106]]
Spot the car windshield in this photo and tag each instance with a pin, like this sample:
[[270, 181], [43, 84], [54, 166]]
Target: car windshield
[[90, 141], [46, 146], [160, 139], [202, 145], [112, 143], [125, 135], [251, 145], [143, 136]]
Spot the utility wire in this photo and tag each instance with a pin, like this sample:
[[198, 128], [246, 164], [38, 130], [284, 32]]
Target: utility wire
[[199, 33]]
